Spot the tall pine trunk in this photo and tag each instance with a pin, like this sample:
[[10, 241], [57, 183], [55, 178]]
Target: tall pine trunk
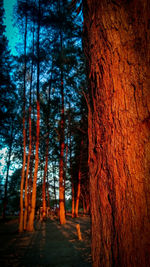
[[62, 144], [28, 164], [46, 160], [116, 34], [21, 226], [30, 225], [61, 163]]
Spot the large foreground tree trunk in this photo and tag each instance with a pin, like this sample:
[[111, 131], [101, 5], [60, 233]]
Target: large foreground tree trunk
[[116, 34]]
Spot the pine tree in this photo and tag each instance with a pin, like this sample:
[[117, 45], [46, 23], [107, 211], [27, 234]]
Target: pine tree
[[117, 49]]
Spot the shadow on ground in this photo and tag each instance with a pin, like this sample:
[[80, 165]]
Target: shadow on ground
[[50, 245]]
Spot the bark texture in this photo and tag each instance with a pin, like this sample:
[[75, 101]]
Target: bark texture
[[117, 49]]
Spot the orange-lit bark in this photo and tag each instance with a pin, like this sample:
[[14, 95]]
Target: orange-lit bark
[[62, 144], [27, 170], [22, 179], [30, 183], [73, 198], [78, 194], [61, 187], [21, 226], [30, 155], [117, 48], [30, 225], [48, 196], [79, 182], [61, 163]]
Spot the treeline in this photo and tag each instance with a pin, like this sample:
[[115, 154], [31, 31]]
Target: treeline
[[44, 125]]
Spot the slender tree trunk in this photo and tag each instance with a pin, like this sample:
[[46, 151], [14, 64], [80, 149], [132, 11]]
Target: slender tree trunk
[[116, 34], [61, 163], [72, 181], [21, 226], [54, 185], [84, 206], [30, 225], [73, 198], [79, 182], [31, 153], [30, 184], [44, 178], [27, 170], [62, 145], [46, 159], [47, 189]]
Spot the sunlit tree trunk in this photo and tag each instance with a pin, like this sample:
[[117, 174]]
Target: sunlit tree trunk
[[70, 156], [46, 160], [62, 144], [28, 161], [27, 173], [79, 182], [73, 197], [21, 226], [31, 145], [47, 190], [115, 36], [30, 225], [61, 163], [30, 181]]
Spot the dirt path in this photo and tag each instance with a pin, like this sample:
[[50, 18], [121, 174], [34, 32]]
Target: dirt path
[[50, 245]]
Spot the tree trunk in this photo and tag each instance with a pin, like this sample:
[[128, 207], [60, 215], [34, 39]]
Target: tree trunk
[[62, 144], [27, 170], [79, 182], [61, 163], [31, 153], [44, 178], [21, 227], [30, 225], [73, 197], [115, 36]]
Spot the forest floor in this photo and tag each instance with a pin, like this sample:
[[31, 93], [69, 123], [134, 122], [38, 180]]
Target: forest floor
[[51, 244]]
